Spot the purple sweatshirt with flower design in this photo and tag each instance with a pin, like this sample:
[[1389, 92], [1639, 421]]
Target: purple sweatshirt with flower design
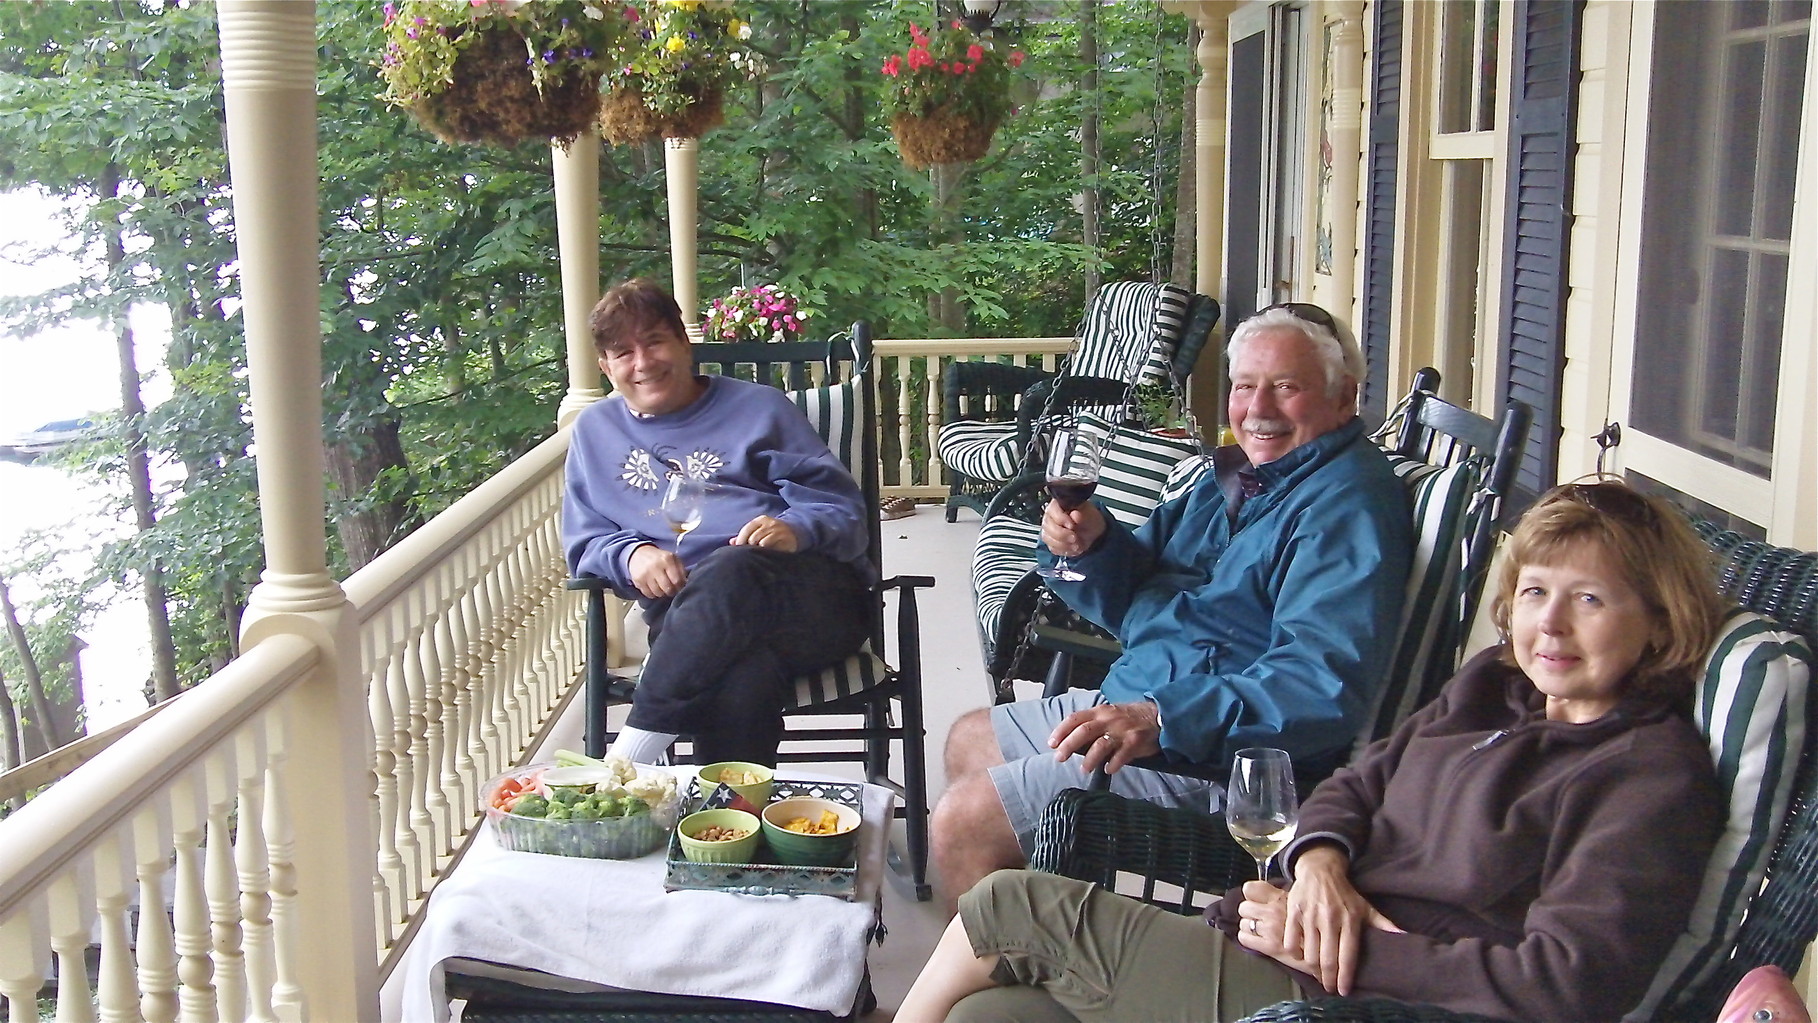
[[749, 440]]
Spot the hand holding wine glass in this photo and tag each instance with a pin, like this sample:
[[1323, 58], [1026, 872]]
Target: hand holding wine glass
[[1261, 808], [683, 497], [1074, 457]]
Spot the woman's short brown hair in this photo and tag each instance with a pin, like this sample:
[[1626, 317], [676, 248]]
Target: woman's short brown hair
[[629, 310], [1650, 542]]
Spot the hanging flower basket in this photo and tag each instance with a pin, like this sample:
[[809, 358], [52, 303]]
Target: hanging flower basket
[[494, 100], [680, 61], [626, 119], [941, 137], [948, 93], [500, 71]]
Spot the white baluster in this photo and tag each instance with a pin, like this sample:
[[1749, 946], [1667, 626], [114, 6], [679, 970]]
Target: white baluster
[[220, 883], [287, 997], [382, 800], [71, 916], [156, 943], [115, 990], [254, 872], [189, 909], [23, 960]]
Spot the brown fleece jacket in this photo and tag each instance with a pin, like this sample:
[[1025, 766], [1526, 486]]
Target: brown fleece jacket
[[1541, 869]]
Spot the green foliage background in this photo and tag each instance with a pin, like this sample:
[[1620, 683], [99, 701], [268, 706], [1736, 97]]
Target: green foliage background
[[441, 302]]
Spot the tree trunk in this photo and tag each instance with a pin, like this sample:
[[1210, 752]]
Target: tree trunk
[[945, 307], [1088, 139], [1186, 192], [356, 463], [41, 715], [138, 469], [11, 753]]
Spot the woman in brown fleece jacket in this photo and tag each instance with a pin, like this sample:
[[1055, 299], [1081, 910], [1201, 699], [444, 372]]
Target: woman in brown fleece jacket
[[1526, 847]]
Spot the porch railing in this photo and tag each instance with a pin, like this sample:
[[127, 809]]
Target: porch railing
[[909, 375], [168, 868], [176, 851]]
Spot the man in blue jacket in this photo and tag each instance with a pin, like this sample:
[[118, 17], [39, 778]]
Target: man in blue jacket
[[774, 581], [1258, 609]]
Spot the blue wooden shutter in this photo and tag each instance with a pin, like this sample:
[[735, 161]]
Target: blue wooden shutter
[[1381, 153], [1544, 104]]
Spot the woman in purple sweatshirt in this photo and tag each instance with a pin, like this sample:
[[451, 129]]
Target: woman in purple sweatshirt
[[1526, 847], [773, 582]]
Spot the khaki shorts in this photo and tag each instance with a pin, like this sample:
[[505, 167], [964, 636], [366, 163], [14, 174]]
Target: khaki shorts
[[1069, 950]]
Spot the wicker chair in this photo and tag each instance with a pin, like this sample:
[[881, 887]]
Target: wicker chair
[[1183, 858]]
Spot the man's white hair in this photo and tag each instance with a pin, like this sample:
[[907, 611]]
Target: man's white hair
[[1337, 349]]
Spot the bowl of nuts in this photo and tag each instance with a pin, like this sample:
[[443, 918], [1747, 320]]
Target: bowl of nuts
[[718, 836]]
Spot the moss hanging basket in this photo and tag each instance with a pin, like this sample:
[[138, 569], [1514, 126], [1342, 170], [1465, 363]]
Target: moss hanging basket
[[493, 98], [941, 137], [626, 120]]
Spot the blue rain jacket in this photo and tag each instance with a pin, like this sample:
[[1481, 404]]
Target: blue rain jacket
[[1273, 630]]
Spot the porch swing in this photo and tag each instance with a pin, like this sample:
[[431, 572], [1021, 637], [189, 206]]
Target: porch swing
[[1134, 335]]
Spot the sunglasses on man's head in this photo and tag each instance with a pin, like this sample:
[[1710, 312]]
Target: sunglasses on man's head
[[1617, 499], [1306, 311]]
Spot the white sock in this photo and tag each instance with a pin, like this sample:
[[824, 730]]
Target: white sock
[[642, 747]]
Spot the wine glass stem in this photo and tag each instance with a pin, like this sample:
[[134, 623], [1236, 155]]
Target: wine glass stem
[[1262, 868]]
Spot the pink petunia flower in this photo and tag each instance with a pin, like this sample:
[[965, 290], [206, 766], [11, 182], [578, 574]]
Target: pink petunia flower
[[1016, 58], [975, 53]]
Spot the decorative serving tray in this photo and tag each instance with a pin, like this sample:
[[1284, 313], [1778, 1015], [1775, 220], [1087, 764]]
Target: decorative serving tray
[[762, 878]]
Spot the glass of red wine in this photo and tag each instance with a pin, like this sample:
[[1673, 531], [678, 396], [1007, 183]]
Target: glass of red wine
[[1074, 456]]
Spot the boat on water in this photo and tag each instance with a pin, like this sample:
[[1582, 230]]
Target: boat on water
[[27, 446]]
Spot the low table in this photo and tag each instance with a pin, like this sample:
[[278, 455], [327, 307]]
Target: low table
[[549, 921]]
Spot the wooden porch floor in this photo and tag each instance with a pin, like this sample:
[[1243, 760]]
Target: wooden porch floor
[[953, 680]]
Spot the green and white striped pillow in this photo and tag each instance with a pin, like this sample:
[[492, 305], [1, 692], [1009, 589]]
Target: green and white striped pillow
[[1753, 709], [1135, 468]]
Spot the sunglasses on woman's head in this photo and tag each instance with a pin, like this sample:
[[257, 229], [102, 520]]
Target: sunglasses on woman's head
[[1620, 500], [1306, 311]]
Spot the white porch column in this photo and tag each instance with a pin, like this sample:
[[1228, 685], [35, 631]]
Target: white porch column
[[577, 195], [1347, 151], [1206, 389], [268, 70], [682, 169]]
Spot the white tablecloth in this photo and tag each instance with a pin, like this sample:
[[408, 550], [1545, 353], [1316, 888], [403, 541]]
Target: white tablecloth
[[610, 922]]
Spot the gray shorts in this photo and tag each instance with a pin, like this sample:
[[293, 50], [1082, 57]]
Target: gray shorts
[[1069, 950], [1030, 777]]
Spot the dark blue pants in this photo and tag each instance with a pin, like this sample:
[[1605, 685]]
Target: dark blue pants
[[723, 651]]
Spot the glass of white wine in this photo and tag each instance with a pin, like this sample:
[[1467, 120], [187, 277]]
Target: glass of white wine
[[1261, 808], [683, 496]]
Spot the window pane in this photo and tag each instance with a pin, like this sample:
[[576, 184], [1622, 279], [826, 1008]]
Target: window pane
[[1787, 83], [1457, 64], [1749, 13], [1486, 76], [1741, 125], [1725, 106]]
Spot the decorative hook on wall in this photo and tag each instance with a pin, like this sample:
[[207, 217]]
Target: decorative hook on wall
[[1606, 440]]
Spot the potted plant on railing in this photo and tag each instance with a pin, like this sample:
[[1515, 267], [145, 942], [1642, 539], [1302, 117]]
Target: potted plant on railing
[[948, 93], [671, 80], [500, 71], [764, 313]]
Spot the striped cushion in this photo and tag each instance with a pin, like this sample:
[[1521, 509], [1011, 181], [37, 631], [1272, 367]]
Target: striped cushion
[[1004, 553], [838, 414], [1135, 468], [1426, 651], [983, 451], [857, 673], [1752, 707], [1131, 328], [1184, 476]]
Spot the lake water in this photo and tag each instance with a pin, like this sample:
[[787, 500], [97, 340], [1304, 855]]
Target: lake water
[[65, 374]]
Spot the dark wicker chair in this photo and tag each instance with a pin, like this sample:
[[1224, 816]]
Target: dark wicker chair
[[1184, 858]]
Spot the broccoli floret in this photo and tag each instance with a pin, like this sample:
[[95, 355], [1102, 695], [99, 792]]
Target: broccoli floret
[[635, 806], [531, 805], [585, 810], [567, 797], [558, 812]]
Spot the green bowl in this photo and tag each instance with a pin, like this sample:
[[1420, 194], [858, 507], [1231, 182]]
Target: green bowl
[[738, 850], [757, 793], [804, 850]]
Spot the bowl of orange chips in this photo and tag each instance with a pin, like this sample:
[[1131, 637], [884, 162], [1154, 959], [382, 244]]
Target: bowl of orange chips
[[805, 831]]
